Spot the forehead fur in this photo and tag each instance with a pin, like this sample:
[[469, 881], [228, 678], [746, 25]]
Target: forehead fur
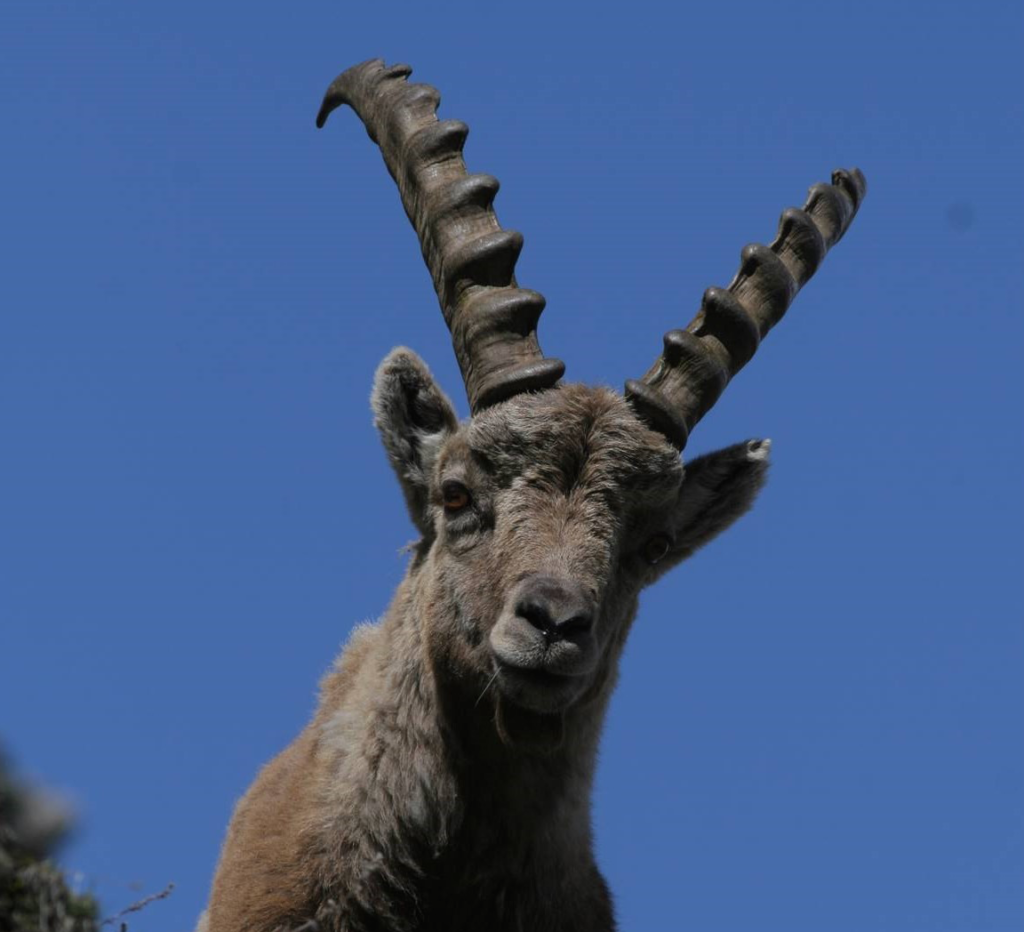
[[574, 435]]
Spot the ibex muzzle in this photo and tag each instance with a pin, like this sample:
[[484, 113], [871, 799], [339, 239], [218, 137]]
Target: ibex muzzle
[[444, 782], [544, 644], [560, 609]]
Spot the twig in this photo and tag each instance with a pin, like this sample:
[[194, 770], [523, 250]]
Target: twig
[[141, 904]]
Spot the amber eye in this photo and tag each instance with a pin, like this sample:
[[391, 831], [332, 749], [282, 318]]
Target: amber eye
[[455, 496], [657, 548]]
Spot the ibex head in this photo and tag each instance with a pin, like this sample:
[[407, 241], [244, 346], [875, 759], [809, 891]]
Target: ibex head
[[544, 515]]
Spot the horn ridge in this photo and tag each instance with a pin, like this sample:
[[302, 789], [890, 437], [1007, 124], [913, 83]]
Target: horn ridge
[[693, 370], [470, 257]]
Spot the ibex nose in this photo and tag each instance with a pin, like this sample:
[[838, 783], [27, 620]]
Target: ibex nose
[[558, 608]]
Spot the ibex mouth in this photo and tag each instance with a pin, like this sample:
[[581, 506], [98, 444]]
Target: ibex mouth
[[537, 689]]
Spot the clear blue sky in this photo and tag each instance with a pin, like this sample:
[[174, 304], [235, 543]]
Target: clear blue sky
[[819, 721]]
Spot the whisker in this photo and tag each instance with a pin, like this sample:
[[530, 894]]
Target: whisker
[[486, 687]]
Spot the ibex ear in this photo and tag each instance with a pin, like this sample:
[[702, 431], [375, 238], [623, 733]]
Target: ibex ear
[[414, 417], [719, 487]]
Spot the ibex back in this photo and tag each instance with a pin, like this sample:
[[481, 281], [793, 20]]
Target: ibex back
[[444, 782]]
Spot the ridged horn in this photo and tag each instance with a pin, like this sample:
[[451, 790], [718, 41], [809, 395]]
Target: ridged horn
[[698, 362], [472, 260]]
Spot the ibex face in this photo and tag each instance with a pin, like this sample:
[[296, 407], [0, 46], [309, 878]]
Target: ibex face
[[542, 519]]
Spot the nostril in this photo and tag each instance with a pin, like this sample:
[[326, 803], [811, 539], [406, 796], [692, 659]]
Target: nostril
[[542, 617], [536, 614], [577, 624]]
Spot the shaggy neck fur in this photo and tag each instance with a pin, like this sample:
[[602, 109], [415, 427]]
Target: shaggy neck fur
[[449, 802]]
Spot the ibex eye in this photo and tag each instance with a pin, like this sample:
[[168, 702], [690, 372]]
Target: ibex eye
[[455, 496], [656, 549]]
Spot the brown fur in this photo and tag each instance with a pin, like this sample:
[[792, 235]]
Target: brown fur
[[444, 782]]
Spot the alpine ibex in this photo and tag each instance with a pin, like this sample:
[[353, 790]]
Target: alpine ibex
[[444, 782]]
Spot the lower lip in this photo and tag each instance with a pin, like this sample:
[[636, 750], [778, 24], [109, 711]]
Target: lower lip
[[538, 678]]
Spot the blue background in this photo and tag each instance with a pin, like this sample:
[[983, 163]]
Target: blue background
[[819, 720]]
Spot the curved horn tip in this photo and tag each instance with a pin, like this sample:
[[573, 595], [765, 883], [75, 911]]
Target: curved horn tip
[[853, 182], [337, 94], [333, 98], [324, 112]]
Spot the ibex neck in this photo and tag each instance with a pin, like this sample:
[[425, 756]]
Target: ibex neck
[[431, 799], [482, 776]]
